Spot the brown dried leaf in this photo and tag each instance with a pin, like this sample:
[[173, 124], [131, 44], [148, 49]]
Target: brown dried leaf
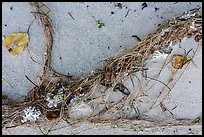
[[198, 37]]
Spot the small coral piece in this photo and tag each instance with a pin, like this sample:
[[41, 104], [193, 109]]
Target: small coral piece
[[54, 100], [158, 55], [187, 15], [30, 114]]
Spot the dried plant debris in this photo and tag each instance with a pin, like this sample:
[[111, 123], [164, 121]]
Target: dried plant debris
[[52, 115], [121, 88], [135, 36], [42, 11], [71, 15], [104, 91]]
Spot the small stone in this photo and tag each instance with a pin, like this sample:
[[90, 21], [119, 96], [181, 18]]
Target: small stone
[[155, 9]]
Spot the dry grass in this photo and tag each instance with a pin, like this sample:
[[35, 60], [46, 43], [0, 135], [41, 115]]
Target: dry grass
[[114, 70]]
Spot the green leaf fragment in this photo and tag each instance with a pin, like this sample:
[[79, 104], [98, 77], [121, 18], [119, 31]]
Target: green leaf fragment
[[100, 24]]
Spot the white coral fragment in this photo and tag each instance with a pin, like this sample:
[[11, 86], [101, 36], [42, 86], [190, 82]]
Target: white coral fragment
[[54, 100], [158, 55], [30, 114], [187, 15]]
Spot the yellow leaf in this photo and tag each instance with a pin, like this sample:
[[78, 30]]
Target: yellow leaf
[[16, 43]]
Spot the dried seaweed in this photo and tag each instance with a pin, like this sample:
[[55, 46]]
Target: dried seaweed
[[110, 76]]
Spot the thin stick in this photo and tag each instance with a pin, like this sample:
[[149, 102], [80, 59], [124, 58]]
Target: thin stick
[[127, 12], [160, 82], [132, 80], [71, 15], [31, 81], [31, 56]]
